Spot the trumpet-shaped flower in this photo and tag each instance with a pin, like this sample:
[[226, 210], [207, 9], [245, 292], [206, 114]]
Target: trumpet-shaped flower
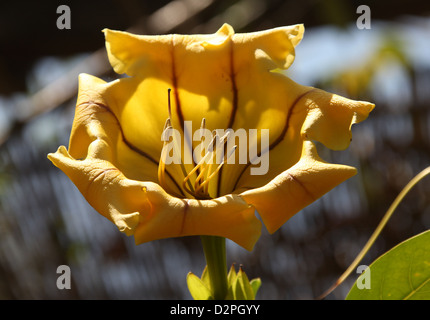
[[117, 156]]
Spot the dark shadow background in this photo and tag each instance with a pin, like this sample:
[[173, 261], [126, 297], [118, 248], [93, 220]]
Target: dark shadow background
[[45, 222]]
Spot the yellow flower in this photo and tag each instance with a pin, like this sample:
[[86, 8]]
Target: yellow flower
[[115, 149]]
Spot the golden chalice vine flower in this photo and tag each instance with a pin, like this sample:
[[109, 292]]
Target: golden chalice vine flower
[[217, 81]]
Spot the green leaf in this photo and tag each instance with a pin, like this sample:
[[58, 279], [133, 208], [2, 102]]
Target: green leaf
[[403, 273], [197, 288]]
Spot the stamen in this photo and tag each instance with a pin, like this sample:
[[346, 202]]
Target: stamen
[[162, 167], [167, 124], [188, 187], [231, 152], [204, 164], [199, 177], [188, 176], [203, 168], [163, 156], [223, 141], [197, 167], [211, 149], [213, 174]]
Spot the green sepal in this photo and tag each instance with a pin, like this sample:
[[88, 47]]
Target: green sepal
[[198, 288], [206, 279], [239, 286], [255, 285]]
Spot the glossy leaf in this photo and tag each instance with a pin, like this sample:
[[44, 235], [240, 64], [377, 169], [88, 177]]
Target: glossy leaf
[[403, 273]]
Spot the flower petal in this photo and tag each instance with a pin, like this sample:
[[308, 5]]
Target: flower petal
[[228, 216], [313, 114], [97, 116], [271, 49], [145, 210], [207, 73], [296, 188], [104, 186], [330, 118]]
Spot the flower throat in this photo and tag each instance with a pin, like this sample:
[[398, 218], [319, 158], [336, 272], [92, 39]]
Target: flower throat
[[216, 148]]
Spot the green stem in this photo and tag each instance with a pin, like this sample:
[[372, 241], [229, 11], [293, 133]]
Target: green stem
[[215, 254]]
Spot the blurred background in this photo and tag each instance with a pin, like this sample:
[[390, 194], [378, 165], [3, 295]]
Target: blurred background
[[45, 222]]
